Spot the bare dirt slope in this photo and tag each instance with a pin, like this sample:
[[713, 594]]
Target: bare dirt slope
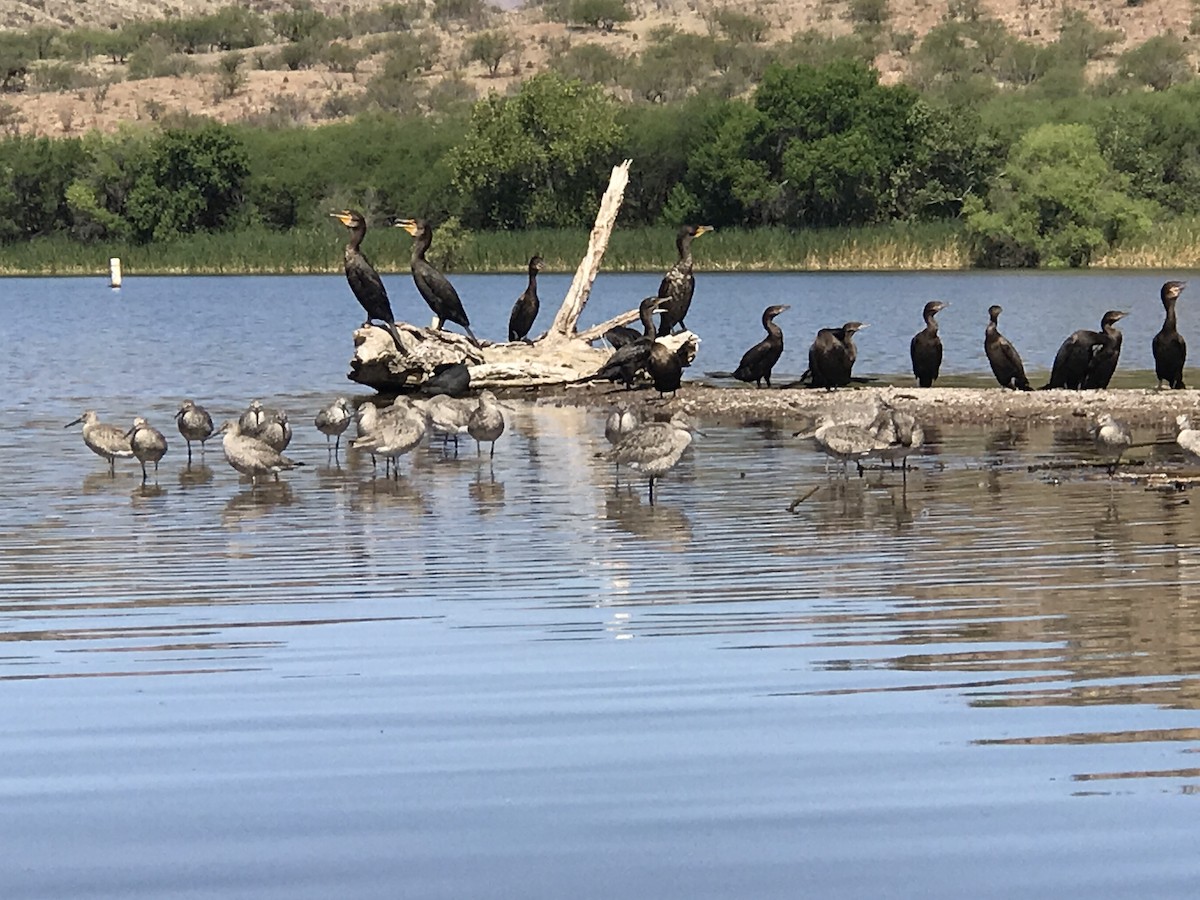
[[299, 96]]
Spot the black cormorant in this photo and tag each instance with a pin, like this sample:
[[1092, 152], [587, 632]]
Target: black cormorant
[[679, 284], [525, 310], [1003, 356], [1074, 358], [364, 280], [666, 366], [451, 379], [831, 356], [626, 362], [1170, 349], [432, 285], [620, 335], [1104, 358], [926, 347], [759, 360]]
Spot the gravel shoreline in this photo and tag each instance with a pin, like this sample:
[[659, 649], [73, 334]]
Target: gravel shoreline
[[947, 406]]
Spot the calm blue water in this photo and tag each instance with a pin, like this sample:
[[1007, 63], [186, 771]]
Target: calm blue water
[[517, 680]]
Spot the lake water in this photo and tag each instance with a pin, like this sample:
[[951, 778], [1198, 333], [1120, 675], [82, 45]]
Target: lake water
[[516, 680]]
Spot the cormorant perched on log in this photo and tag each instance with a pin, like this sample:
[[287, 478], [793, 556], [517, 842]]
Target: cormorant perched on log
[[364, 280], [525, 310], [926, 347], [1003, 356], [1170, 349], [831, 356], [1104, 358], [1073, 362], [679, 284], [626, 362], [759, 360], [432, 285]]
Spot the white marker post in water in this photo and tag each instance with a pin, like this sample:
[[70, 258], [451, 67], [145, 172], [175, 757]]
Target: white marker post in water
[[114, 272]]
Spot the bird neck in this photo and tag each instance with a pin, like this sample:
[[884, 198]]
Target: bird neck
[[1169, 308], [684, 245], [532, 280], [421, 243], [773, 330], [357, 233], [648, 329]]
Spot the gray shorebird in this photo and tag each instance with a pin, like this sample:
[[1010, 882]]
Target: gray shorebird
[[1113, 438], [275, 432], [1187, 437], [147, 443], [394, 434], [654, 448], [251, 456], [195, 424], [899, 433], [334, 419], [447, 416], [486, 422], [102, 439]]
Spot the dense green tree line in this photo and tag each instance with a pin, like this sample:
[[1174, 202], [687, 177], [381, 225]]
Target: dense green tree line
[[1037, 181]]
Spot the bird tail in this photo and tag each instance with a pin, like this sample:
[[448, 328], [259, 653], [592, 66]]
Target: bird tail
[[390, 327]]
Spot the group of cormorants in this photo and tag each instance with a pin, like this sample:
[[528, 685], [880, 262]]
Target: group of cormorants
[[434, 287], [1086, 360]]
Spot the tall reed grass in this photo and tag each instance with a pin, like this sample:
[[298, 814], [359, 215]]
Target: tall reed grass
[[1173, 244], [260, 251]]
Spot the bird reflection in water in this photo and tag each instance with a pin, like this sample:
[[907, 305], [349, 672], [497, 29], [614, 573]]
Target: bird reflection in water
[[488, 495], [146, 492], [667, 524], [195, 475], [257, 501], [100, 482], [380, 494]]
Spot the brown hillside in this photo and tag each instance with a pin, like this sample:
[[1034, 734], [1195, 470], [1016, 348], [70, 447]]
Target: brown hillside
[[303, 96]]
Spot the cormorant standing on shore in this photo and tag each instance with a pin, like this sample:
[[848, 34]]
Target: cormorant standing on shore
[[759, 360], [1003, 356], [1170, 349], [364, 280], [926, 347], [1104, 358], [831, 356], [432, 285], [679, 284], [525, 310], [1073, 361], [630, 359]]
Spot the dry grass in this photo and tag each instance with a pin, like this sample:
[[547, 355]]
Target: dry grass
[[295, 94]]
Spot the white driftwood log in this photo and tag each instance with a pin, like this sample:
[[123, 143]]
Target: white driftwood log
[[561, 355]]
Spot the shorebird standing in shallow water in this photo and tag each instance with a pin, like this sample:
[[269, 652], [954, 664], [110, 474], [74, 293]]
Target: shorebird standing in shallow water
[[251, 456], [333, 420], [900, 434], [447, 416], [654, 448], [195, 424], [147, 444], [486, 422], [1113, 438], [102, 439], [1188, 438], [394, 433]]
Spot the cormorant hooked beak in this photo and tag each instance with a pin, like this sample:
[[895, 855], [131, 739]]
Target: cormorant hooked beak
[[704, 229], [344, 217], [409, 225]]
